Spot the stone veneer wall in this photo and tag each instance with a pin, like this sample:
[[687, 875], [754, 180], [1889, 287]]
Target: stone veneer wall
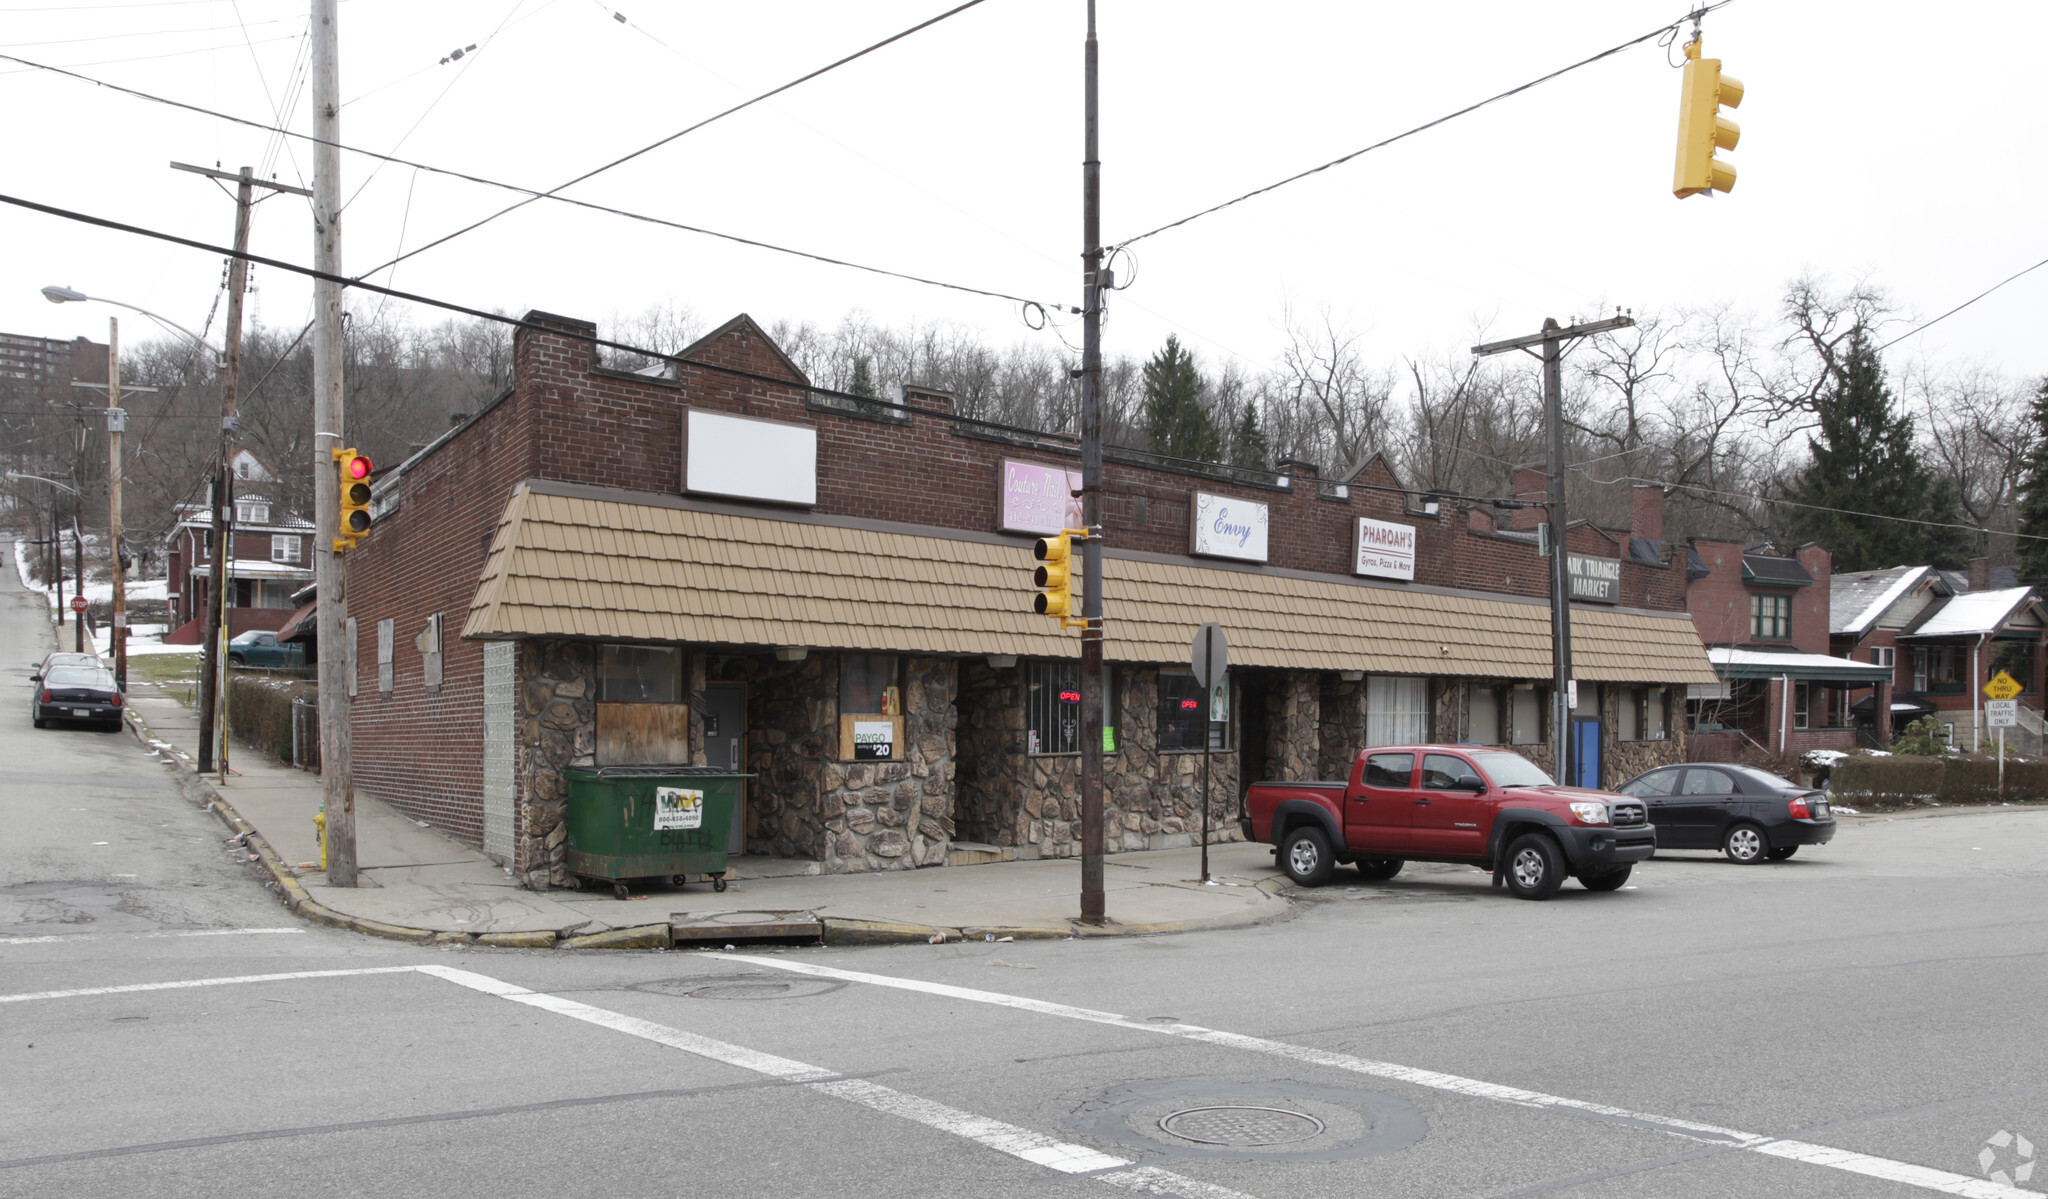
[[1033, 804], [1621, 761], [850, 816], [1293, 725], [1342, 731], [557, 728]]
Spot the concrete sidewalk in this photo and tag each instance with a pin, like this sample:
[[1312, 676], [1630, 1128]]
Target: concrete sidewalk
[[419, 884]]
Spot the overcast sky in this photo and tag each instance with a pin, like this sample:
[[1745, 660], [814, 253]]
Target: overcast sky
[[1902, 142]]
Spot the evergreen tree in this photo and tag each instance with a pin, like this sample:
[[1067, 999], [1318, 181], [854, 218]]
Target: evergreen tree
[[863, 383], [1249, 446], [1176, 419], [1865, 469], [2033, 505]]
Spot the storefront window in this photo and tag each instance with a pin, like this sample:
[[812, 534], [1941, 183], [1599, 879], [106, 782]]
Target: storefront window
[[867, 684], [1482, 714], [639, 674], [1656, 714], [1052, 708], [1184, 714], [1396, 709], [1628, 725]]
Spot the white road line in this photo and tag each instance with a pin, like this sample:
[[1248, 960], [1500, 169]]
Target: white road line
[[181, 984], [1020, 1143], [1907, 1173], [200, 932]]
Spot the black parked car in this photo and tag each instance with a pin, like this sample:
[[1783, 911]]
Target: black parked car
[[1749, 814], [62, 659], [84, 693]]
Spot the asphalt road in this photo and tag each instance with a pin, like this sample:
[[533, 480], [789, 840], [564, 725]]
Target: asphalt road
[[1855, 1022]]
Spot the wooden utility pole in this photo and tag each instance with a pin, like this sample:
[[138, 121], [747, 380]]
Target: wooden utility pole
[[1092, 292], [337, 656], [1552, 340], [213, 698]]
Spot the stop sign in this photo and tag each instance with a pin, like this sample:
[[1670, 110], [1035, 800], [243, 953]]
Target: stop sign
[[78, 603]]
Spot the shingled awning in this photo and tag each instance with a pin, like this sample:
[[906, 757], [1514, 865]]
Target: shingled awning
[[575, 561]]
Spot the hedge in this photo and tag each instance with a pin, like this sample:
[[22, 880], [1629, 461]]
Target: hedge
[[1903, 780], [260, 710]]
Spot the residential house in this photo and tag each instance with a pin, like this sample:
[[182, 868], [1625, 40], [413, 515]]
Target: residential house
[[270, 556], [1767, 621]]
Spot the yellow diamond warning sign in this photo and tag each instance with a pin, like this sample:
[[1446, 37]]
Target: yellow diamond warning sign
[[2002, 686]]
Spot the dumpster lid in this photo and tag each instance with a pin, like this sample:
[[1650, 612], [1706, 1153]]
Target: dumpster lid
[[654, 770]]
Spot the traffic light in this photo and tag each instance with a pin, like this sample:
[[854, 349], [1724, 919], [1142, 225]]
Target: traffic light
[[1701, 127], [1054, 576], [354, 471]]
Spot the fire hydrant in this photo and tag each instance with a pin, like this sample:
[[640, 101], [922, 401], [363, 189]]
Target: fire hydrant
[[320, 830]]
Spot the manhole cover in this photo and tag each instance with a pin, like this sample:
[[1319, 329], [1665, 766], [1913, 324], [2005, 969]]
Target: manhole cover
[[740, 991], [1241, 1127]]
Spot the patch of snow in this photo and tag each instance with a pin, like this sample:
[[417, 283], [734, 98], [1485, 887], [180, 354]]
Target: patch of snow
[[1839, 810], [1973, 612]]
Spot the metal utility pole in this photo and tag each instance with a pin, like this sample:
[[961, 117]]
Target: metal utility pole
[[212, 686], [337, 657], [1092, 291], [77, 561], [117, 420], [1552, 340]]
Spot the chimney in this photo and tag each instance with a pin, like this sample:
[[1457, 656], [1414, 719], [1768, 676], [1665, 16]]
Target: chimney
[[1532, 484], [927, 399], [1980, 574], [1646, 512], [456, 418]]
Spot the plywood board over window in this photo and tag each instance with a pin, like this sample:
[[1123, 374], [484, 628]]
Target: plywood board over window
[[642, 734]]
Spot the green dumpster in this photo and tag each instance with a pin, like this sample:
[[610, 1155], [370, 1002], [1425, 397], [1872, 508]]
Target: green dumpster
[[659, 821]]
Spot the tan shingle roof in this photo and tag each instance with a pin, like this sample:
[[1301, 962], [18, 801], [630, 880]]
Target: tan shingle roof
[[571, 566]]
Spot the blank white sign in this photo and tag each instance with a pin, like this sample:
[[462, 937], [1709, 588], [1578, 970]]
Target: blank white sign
[[750, 459]]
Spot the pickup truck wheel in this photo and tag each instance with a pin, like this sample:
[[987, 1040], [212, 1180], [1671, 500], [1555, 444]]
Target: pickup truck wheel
[[1378, 870], [238, 660], [1609, 881], [1535, 866], [1306, 856], [1745, 845]]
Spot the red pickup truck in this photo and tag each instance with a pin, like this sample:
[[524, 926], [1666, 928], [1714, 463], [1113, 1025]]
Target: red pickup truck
[[1447, 803]]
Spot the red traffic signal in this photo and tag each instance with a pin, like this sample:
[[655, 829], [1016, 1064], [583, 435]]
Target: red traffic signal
[[357, 467]]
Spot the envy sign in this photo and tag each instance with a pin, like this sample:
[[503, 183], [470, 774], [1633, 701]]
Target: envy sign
[[1229, 527]]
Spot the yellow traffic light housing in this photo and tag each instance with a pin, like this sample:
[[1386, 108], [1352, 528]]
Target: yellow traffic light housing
[[1701, 127], [353, 472], [1054, 577]]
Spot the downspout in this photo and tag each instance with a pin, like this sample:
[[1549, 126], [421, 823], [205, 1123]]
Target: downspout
[[1785, 715]]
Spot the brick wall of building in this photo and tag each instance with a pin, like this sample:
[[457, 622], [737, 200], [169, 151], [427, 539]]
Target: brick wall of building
[[567, 420]]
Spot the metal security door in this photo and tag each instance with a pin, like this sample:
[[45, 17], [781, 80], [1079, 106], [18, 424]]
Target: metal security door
[[498, 724], [725, 746]]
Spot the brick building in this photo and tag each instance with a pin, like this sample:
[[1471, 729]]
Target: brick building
[[1767, 620], [720, 564]]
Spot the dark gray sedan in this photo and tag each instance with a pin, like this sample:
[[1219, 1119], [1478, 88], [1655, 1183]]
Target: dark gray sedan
[[81, 693], [1749, 814]]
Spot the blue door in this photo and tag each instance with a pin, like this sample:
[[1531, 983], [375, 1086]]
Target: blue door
[[1585, 754]]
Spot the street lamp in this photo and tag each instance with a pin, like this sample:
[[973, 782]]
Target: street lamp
[[66, 295]]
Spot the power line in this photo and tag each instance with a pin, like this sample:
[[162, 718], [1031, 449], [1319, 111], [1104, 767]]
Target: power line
[[719, 116], [1470, 108], [530, 192], [1958, 308], [376, 289], [1764, 499]]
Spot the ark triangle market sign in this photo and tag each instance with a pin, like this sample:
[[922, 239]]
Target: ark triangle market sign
[[1594, 579]]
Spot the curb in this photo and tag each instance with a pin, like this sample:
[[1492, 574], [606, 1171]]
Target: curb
[[838, 931]]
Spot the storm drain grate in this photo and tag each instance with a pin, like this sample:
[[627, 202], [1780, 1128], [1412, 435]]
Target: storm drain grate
[[1241, 1127]]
